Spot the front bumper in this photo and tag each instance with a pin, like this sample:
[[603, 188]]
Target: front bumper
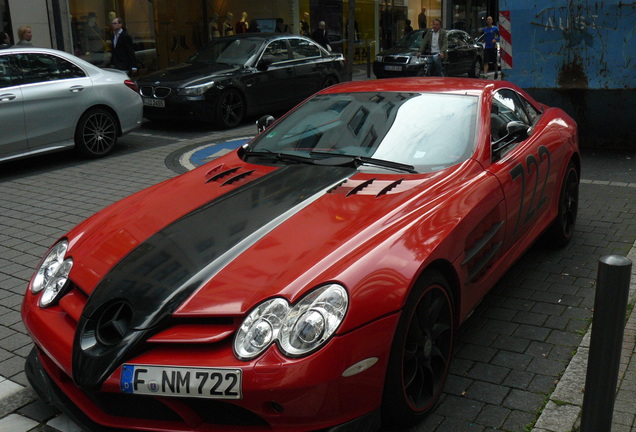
[[389, 70], [280, 394], [178, 107]]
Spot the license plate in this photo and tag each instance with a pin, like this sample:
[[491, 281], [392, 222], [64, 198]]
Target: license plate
[[211, 383], [155, 102], [393, 68]]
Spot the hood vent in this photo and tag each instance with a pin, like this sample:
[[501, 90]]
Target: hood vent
[[374, 187], [232, 173]]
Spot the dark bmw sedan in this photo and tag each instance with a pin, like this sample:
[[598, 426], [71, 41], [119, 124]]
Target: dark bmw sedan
[[465, 56], [239, 76]]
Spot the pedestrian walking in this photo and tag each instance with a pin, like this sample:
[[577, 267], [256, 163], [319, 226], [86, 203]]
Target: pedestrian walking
[[435, 42], [491, 37], [320, 35], [122, 54]]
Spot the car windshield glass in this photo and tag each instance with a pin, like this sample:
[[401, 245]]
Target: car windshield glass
[[411, 40], [428, 131], [228, 51]]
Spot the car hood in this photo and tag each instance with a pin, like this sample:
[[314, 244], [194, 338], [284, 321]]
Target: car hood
[[217, 241], [396, 50], [186, 73]]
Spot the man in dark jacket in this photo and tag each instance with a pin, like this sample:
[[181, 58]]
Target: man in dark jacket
[[122, 54]]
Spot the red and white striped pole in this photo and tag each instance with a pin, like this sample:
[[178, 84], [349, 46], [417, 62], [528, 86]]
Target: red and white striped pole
[[505, 41]]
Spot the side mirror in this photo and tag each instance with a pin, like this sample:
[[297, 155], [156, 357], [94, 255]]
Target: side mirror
[[264, 122], [264, 64], [516, 130]]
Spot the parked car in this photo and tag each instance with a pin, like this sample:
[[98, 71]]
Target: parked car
[[51, 100], [315, 276], [241, 75], [465, 56]]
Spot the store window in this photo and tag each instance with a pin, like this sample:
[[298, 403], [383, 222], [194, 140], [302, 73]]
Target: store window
[[5, 21], [92, 35]]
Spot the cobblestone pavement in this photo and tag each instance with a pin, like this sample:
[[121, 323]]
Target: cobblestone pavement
[[510, 371]]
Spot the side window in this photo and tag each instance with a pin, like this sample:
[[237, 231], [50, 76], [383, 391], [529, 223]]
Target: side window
[[506, 107], [303, 49], [533, 114], [46, 67], [9, 75], [69, 70], [276, 52], [453, 39]]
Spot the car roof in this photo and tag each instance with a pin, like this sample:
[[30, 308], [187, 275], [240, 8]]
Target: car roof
[[473, 87]]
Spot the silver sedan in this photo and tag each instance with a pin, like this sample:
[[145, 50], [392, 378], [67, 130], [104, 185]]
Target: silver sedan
[[51, 100]]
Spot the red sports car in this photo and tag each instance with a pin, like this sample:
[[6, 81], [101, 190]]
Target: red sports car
[[312, 279]]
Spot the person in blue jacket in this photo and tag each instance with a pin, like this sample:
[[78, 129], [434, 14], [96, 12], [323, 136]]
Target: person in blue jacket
[[491, 37]]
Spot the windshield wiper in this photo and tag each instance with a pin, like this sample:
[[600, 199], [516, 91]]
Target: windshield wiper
[[386, 164], [365, 160], [287, 157]]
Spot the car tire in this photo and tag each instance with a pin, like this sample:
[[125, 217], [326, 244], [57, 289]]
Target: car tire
[[561, 230], [420, 353], [475, 69], [230, 109], [96, 133], [329, 81]]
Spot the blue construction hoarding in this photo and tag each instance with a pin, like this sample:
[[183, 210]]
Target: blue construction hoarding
[[580, 55]]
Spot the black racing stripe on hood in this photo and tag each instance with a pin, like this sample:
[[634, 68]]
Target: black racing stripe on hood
[[162, 272]]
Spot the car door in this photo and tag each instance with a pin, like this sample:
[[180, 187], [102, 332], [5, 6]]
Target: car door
[[56, 93], [271, 86], [525, 169], [310, 67], [13, 137], [457, 54]]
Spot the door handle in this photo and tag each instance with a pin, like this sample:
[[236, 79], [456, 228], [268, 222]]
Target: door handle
[[76, 89], [7, 97]]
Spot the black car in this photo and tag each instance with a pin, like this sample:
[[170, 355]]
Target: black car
[[241, 75], [465, 56]]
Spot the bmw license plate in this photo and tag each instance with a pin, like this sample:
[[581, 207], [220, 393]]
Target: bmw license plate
[[155, 102], [211, 383], [393, 68]]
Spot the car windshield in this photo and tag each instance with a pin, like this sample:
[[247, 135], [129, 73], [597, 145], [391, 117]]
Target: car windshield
[[428, 131], [411, 40], [228, 51]]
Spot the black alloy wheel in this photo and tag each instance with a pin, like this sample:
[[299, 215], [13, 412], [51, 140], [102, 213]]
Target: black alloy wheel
[[230, 109], [562, 228], [421, 352], [96, 133]]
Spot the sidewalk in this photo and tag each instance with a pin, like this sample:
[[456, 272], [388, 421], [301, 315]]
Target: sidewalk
[[563, 411]]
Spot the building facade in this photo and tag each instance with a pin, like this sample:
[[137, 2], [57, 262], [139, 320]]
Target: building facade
[[167, 32]]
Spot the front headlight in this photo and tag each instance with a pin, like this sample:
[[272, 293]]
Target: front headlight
[[298, 329], [417, 60], [196, 90], [379, 58], [52, 275]]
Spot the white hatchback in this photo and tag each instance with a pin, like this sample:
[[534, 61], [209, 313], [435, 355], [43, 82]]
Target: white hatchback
[[51, 100]]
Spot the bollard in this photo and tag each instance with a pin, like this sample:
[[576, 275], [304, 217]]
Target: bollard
[[610, 307]]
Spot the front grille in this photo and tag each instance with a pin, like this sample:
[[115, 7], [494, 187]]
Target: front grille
[[156, 92], [397, 59]]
